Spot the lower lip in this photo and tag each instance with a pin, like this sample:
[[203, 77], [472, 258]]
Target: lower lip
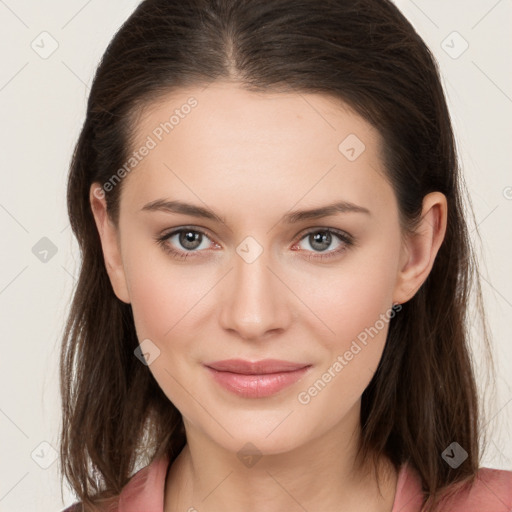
[[256, 386]]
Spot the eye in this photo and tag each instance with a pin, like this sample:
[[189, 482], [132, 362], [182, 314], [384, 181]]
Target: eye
[[320, 239], [183, 242]]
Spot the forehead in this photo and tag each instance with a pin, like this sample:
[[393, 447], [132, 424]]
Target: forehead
[[223, 138]]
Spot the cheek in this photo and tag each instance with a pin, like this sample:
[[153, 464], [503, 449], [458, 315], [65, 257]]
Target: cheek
[[164, 295], [357, 308], [353, 296], [154, 301], [364, 297], [352, 357]]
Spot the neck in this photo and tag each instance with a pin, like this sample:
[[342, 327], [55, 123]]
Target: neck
[[320, 475]]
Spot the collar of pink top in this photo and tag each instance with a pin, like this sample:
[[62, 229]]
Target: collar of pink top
[[145, 490], [492, 491]]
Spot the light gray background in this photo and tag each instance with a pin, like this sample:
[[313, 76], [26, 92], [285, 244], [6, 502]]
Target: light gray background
[[42, 103]]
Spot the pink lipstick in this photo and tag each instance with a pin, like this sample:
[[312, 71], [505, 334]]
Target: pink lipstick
[[256, 379]]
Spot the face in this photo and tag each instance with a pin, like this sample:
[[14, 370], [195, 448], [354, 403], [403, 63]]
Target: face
[[253, 279]]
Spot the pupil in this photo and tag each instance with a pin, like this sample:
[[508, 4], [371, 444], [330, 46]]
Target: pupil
[[189, 238], [322, 237]]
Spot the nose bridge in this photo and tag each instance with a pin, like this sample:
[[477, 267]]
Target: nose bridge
[[256, 300]]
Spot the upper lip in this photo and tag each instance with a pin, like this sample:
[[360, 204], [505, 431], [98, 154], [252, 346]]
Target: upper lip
[[256, 367]]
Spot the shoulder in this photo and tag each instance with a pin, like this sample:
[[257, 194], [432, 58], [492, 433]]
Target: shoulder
[[490, 492], [144, 490], [112, 505]]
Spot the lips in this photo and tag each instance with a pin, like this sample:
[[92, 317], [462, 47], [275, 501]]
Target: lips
[[256, 379], [255, 368]]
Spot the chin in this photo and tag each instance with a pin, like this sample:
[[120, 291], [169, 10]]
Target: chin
[[248, 438]]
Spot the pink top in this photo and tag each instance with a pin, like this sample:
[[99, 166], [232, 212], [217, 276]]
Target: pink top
[[492, 492]]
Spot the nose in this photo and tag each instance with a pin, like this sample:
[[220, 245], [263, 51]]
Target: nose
[[255, 300]]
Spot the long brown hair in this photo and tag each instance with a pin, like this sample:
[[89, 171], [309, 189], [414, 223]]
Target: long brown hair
[[364, 52]]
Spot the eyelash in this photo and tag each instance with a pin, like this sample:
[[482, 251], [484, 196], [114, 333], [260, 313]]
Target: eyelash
[[348, 241]]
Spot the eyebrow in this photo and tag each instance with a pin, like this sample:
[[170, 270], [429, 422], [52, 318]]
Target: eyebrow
[[289, 218]]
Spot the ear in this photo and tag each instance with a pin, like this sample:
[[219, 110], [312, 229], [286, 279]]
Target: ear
[[420, 248], [109, 236]]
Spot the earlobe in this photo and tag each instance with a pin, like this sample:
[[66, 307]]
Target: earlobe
[[108, 234], [420, 248]]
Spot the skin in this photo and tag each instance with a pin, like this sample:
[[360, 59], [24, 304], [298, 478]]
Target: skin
[[252, 158]]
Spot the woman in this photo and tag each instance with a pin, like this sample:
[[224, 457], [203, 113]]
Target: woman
[[276, 267]]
